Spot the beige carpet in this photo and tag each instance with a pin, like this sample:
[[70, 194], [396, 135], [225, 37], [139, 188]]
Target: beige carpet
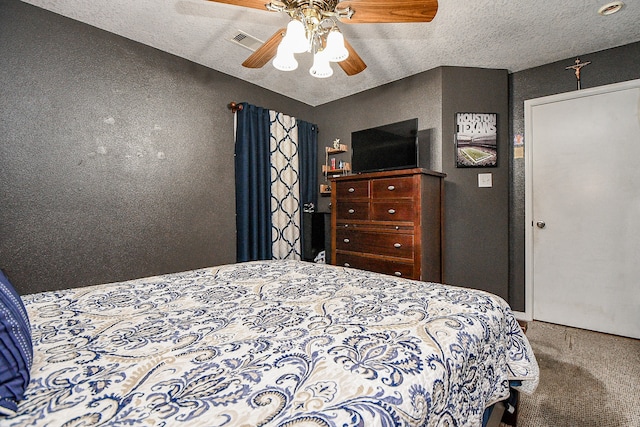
[[586, 379]]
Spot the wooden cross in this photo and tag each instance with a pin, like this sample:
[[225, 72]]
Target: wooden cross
[[576, 67]]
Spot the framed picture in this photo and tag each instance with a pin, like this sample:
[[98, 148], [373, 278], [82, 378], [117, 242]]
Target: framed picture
[[476, 140]]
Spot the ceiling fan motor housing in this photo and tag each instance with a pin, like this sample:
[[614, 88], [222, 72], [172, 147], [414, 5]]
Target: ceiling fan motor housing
[[317, 10]]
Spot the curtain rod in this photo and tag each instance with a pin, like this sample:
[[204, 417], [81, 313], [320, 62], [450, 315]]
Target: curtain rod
[[234, 107]]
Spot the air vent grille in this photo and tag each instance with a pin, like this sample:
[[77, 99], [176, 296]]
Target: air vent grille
[[246, 40]]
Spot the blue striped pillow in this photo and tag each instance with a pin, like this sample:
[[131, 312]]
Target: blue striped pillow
[[16, 348]]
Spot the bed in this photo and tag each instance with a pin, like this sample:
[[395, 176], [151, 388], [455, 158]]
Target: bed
[[270, 343]]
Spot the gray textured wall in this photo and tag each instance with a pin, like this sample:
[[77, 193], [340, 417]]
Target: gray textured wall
[[116, 159], [476, 219], [478, 258], [608, 66], [416, 96]]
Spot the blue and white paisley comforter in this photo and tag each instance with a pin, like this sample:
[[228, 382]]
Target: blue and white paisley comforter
[[277, 343]]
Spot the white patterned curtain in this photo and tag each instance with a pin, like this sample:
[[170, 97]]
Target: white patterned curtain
[[285, 187]]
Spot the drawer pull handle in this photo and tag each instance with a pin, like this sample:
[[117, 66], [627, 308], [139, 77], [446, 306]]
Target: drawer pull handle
[[351, 189], [346, 225], [397, 273], [352, 211], [397, 227], [397, 245], [346, 240], [391, 211], [346, 264], [391, 187]]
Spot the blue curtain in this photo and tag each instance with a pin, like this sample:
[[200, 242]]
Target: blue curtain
[[308, 143], [253, 181]]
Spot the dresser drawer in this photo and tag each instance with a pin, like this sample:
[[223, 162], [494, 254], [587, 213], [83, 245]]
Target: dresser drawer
[[398, 245], [352, 189], [401, 187], [392, 211], [394, 268], [347, 211]]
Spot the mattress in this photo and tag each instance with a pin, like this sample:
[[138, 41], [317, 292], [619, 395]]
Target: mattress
[[271, 343]]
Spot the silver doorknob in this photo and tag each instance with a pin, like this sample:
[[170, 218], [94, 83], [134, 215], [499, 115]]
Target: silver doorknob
[[541, 224]]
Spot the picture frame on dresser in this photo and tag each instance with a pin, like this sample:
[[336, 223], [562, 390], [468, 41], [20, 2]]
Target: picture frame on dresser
[[476, 140]]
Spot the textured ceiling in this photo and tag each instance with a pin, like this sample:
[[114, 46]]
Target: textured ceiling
[[506, 34]]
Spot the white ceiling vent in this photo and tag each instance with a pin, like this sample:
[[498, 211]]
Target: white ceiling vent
[[246, 40]]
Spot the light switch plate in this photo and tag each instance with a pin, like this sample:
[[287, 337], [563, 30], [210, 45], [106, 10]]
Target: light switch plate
[[485, 180]]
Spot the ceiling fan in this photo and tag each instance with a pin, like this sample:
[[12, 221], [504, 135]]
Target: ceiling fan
[[313, 28]]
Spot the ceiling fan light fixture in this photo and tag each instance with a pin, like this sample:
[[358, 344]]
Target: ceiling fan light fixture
[[284, 60], [296, 37], [336, 51], [312, 22], [321, 67]]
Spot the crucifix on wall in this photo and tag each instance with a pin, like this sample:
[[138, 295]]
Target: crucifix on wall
[[576, 67]]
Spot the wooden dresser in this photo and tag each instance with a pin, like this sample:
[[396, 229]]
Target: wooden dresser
[[389, 222]]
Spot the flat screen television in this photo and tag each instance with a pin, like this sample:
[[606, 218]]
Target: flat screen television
[[388, 147]]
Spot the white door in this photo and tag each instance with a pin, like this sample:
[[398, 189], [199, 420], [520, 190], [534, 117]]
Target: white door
[[583, 208]]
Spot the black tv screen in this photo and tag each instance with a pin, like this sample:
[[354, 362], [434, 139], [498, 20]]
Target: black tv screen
[[388, 147]]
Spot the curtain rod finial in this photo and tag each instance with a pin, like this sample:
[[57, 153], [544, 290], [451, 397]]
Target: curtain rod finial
[[234, 107]]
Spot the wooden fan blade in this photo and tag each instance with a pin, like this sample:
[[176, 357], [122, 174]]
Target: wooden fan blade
[[265, 52], [254, 4], [388, 11], [353, 64]]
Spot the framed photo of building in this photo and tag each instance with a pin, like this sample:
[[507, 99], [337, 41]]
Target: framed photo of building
[[476, 140]]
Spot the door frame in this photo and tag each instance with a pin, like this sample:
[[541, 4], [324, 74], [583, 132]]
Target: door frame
[[528, 171]]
